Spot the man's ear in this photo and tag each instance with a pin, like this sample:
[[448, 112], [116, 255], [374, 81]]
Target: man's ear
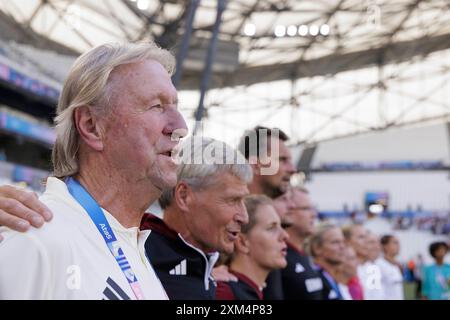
[[183, 196], [89, 128], [242, 244]]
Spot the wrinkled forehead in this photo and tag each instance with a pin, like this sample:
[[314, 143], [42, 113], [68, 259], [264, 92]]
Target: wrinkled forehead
[[142, 66], [237, 189], [299, 197], [145, 79], [228, 184]]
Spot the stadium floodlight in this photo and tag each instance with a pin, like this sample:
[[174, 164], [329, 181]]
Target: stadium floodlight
[[291, 31], [249, 29], [314, 30], [324, 29], [303, 30], [280, 31], [143, 4]]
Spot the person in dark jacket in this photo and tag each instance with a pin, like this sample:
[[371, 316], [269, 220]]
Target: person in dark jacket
[[203, 216], [300, 280], [259, 249]]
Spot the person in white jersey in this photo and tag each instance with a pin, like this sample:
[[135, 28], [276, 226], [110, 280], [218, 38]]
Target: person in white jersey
[[391, 270], [117, 123], [370, 273], [363, 242]]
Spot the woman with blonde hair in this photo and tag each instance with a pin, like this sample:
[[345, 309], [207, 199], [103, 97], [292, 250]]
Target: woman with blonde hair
[[260, 248]]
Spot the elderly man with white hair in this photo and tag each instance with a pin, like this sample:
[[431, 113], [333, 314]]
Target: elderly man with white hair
[[116, 121]]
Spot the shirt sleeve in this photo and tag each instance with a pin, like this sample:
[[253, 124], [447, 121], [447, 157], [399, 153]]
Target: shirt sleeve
[[24, 267]]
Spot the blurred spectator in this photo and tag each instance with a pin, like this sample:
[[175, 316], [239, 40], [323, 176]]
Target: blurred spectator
[[283, 204], [355, 236], [347, 277], [373, 246], [418, 275], [301, 281], [368, 272], [436, 277], [409, 270], [391, 275], [404, 222], [327, 246], [435, 222]]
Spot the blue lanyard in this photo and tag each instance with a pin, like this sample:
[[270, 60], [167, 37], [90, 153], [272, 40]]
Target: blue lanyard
[[333, 284], [98, 217]]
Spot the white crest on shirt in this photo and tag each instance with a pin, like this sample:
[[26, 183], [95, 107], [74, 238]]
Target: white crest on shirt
[[299, 268], [73, 281]]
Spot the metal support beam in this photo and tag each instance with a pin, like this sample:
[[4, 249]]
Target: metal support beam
[[35, 12], [61, 14], [221, 5], [394, 53], [381, 92], [184, 48]]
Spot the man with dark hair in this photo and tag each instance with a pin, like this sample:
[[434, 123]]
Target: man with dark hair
[[261, 134], [270, 158], [437, 249], [436, 277], [271, 161]]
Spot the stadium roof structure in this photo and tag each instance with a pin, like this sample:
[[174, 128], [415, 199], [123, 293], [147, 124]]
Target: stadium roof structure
[[260, 41]]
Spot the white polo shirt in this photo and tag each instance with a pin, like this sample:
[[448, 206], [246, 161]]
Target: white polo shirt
[[369, 275], [391, 279], [344, 291], [68, 258]]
